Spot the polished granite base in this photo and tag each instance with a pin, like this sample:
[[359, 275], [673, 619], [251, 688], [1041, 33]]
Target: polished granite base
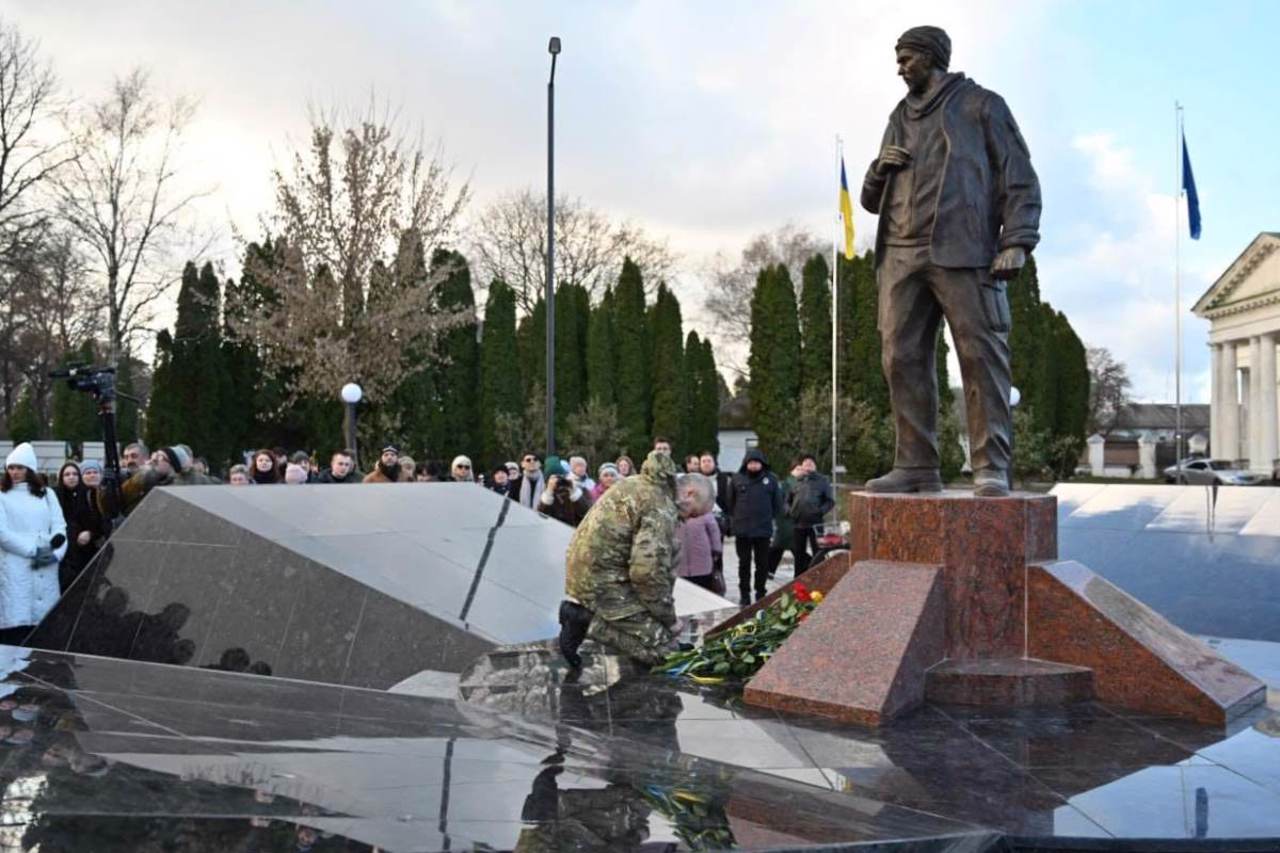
[[941, 581], [117, 756], [892, 616], [1008, 683]]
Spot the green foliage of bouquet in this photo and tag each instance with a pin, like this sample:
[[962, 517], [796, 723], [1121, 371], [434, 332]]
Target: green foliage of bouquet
[[737, 654]]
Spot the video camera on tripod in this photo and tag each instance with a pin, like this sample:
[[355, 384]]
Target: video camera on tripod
[[100, 383]]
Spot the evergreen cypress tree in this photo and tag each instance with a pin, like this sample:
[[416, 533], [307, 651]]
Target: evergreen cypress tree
[[704, 396], [531, 343], [127, 367], [416, 402], [249, 410], [190, 393], [669, 387], [774, 362], [601, 367], [815, 324], [630, 332], [74, 414], [573, 305], [163, 410], [500, 390], [24, 422], [690, 378], [458, 373], [863, 375], [1027, 344], [711, 392]]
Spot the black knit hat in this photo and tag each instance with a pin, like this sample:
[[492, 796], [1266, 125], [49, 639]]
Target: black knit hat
[[932, 40]]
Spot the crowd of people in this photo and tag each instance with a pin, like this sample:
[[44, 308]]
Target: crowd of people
[[49, 531]]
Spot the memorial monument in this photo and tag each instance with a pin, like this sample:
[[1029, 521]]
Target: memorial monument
[[959, 207], [948, 596]]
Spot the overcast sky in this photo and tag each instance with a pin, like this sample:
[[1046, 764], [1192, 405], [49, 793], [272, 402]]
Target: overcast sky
[[710, 122]]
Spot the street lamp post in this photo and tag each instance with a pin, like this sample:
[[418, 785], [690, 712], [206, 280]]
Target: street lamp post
[[554, 49], [351, 395]]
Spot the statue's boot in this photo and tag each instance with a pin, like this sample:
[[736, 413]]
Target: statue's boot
[[991, 483], [901, 480]]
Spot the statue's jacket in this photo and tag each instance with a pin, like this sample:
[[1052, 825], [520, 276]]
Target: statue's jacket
[[989, 196]]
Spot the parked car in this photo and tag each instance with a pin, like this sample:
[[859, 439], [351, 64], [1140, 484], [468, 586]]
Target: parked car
[[1206, 472]]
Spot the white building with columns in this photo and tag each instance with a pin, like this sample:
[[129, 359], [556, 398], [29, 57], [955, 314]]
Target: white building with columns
[[1243, 308]]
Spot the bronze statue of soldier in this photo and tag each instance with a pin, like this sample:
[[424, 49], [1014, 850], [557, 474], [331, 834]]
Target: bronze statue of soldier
[[959, 207]]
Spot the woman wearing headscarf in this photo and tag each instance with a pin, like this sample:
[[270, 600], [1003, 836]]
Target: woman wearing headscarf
[[80, 512], [605, 477], [33, 540]]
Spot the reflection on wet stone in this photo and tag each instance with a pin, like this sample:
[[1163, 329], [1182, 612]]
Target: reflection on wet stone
[[138, 753]]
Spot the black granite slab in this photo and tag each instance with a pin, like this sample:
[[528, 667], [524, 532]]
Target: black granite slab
[[362, 587], [1044, 776], [110, 755]]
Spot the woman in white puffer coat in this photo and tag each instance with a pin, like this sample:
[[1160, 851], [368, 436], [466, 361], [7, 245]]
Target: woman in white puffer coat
[[30, 518]]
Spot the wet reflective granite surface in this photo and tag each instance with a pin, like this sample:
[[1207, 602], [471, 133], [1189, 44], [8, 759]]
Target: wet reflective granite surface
[[114, 755], [1080, 771], [109, 755]]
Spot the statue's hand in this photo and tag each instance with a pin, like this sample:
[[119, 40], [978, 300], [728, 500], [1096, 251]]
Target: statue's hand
[[1008, 262], [892, 158]]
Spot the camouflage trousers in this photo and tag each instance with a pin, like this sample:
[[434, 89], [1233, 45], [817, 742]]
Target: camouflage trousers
[[639, 636]]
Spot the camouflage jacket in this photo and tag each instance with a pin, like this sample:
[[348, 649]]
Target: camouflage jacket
[[622, 558]]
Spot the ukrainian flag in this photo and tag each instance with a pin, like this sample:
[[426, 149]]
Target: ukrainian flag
[[846, 212]]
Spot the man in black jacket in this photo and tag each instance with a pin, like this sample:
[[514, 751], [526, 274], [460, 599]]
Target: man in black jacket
[[959, 207], [342, 469], [754, 499], [809, 502]]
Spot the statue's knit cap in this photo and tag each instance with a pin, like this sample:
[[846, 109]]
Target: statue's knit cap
[[932, 39]]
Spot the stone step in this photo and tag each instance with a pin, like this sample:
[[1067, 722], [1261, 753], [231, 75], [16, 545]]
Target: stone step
[[1011, 682]]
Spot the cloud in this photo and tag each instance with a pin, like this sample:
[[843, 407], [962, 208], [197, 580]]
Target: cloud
[[1109, 265]]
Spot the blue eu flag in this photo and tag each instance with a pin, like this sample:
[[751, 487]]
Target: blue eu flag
[[1189, 187]]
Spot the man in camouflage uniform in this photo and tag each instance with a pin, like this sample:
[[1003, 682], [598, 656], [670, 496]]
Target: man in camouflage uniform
[[621, 568]]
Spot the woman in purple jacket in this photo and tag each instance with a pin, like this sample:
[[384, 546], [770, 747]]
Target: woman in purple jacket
[[698, 532]]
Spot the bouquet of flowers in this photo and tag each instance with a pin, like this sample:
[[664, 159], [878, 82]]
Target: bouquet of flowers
[[738, 653]]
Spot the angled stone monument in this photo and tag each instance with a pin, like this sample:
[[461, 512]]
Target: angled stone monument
[[949, 596]]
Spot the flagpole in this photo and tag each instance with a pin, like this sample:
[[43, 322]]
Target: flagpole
[[835, 322], [1177, 296]]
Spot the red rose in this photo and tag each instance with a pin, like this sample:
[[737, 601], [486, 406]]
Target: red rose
[[802, 595], [799, 589]]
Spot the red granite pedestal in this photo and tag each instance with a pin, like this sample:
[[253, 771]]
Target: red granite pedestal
[[961, 599]]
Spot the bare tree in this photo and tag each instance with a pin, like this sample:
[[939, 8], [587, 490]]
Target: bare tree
[[1108, 390], [509, 241], [32, 145], [730, 285], [122, 199], [358, 213], [48, 311]]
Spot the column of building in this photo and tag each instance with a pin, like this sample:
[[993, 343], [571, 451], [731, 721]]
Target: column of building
[[1216, 395], [1228, 404], [1245, 415], [1267, 419]]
